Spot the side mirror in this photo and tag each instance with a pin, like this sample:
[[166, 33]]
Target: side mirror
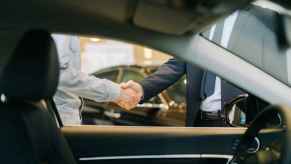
[[234, 114]]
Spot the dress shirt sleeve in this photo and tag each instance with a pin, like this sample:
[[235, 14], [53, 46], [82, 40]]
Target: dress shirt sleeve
[[76, 82], [84, 85]]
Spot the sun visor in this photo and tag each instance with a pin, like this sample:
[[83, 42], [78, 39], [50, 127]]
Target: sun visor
[[162, 18]]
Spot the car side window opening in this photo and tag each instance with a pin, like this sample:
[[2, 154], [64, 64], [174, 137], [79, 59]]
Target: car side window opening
[[118, 62], [121, 62]]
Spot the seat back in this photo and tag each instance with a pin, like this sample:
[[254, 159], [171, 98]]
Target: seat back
[[29, 132]]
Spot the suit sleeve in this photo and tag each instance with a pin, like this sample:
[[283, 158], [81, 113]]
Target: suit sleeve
[[165, 76]]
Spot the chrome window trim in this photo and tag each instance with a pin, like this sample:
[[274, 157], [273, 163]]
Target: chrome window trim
[[168, 156]]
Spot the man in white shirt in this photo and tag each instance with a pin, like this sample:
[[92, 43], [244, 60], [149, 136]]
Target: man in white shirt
[[74, 83]]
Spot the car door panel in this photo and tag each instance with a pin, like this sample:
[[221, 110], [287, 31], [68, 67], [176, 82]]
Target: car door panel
[[106, 144]]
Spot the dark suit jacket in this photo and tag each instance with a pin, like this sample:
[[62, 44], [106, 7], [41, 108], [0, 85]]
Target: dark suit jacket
[[250, 31], [168, 74]]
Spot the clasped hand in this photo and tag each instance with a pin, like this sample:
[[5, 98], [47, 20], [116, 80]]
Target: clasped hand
[[130, 95]]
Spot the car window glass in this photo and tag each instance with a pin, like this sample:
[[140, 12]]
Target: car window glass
[[121, 62]]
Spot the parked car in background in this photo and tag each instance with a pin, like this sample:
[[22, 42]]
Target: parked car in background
[[166, 109]]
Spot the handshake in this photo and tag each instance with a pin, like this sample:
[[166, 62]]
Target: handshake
[[130, 95]]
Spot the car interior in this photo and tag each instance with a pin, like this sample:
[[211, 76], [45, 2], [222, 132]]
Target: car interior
[[29, 71]]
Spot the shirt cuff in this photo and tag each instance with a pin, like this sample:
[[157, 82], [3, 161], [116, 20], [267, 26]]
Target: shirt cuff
[[113, 90]]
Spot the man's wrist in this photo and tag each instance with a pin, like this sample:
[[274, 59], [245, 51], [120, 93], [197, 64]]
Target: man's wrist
[[113, 91]]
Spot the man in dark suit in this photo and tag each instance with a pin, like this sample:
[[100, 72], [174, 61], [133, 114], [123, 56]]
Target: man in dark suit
[[244, 32]]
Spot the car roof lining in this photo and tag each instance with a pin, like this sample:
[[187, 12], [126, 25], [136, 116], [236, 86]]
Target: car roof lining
[[165, 16]]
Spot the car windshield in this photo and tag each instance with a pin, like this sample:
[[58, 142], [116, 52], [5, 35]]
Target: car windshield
[[275, 58]]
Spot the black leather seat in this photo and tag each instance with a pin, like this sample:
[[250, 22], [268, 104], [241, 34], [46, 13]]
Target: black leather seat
[[30, 134]]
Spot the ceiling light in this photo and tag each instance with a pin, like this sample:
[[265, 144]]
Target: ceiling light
[[95, 39], [148, 54]]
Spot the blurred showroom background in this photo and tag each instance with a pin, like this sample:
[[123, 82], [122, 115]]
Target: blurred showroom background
[[97, 54]]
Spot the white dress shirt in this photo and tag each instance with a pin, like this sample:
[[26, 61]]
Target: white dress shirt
[[213, 102], [74, 83]]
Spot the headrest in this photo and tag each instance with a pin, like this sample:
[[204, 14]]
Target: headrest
[[32, 71]]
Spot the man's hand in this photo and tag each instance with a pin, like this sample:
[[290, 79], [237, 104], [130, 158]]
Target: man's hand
[[134, 86], [130, 95]]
